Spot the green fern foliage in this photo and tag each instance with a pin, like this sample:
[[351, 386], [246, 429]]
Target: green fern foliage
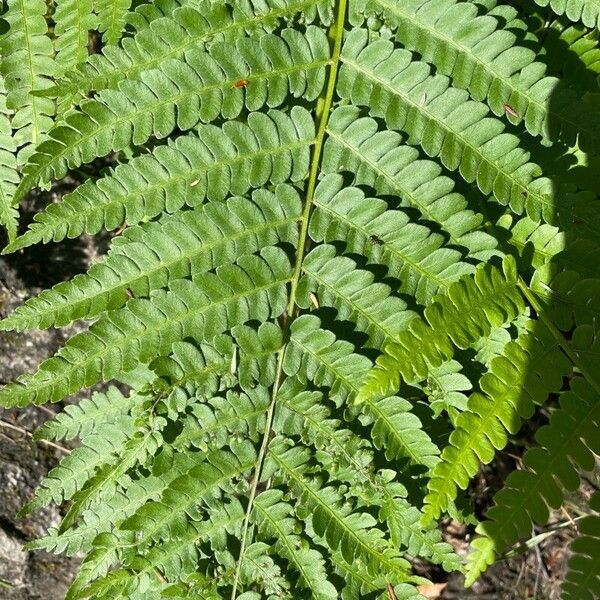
[[354, 249], [583, 577]]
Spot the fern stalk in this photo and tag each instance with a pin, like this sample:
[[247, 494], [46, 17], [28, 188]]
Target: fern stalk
[[323, 109]]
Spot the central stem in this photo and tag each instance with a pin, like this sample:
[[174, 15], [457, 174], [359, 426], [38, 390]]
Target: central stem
[[322, 111]]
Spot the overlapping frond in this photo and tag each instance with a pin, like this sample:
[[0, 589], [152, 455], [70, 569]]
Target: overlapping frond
[[529, 369], [27, 65], [470, 309], [223, 81], [185, 28], [183, 245], [567, 445], [354, 534], [206, 165], [254, 288]]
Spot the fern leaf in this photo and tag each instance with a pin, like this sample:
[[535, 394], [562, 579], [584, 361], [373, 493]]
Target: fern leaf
[[211, 424], [447, 124], [530, 368], [337, 282], [75, 469], [111, 18], [27, 66], [381, 160], [254, 288], [586, 11], [257, 354], [160, 520], [468, 312], [405, 530], [567, 445], [82, 419], [145, 13], [208, 165], [193, 27], [185, 245], [353, 533], [128, 498], [182, 94], [73, 21], [314, 354], [400, 433], [485, 59], [411, 252], [194, 367], [583, 577], [174, 557], [445, 387], [9, 177], [275, 521]]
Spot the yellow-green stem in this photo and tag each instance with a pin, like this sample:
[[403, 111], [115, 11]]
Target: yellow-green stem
[[322, 110]]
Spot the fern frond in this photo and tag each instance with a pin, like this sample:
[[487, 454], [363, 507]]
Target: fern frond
[[445, 387], [73, 21], [405, 530], [183, 93], [353, 533], [254, 288], [161, 519], [275, 521], [468, 312], [412, 253], [258, 348], [530, 368], [192, 368], [485, 59], [211, 424], [145, 13], [583, 577], [174, 557], [184, 29], [400, 434], [586, 11], [102, 447], [83, 419], [337, 282], [9, 177], [444, 122], [209, 164], [381, 160], [185, 245], [314, 354], [131, 495], [27, 66], [567, 444], [111, 19]]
